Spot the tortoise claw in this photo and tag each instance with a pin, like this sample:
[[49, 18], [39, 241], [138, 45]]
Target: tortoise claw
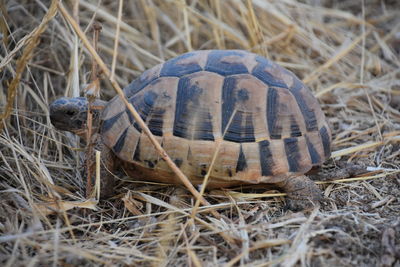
[[302, 193], [300, 204]]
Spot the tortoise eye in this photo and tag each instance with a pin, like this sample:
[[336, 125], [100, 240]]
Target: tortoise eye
[[70, 112]]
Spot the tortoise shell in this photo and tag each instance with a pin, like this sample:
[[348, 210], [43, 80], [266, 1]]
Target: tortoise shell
[[268, 123]]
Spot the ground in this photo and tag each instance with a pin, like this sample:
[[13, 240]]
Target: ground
[[347, 52]]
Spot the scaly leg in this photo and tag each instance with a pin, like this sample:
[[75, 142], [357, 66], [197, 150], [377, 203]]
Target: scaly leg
[[302, 193], [342, 171], [107, 165]]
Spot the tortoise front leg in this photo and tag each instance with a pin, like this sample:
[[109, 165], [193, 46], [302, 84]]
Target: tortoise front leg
[[302, 193], [107, 166], [342, 171], [107, 179]]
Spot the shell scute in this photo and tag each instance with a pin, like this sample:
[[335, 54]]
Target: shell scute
[[326, 139], [243, 118], [265, 70], [306, 104], [194, 110], [226, 62], [182, 65], [142, 81]]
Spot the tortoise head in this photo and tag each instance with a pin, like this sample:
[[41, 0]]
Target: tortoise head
[[70, 114]]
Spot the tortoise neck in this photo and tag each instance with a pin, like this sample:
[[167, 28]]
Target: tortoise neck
[[96, 109]]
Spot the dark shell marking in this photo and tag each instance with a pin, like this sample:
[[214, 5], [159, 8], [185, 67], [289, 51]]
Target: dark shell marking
[[269, 123]]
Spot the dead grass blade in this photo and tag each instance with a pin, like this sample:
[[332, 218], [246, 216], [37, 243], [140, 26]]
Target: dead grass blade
[[47, 208], [3, 23], [258, 245], [355, 149], [30, 41], [116, 41], [363, 178], [340, 54]]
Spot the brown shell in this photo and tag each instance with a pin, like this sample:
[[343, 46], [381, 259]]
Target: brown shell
[[267, 122]]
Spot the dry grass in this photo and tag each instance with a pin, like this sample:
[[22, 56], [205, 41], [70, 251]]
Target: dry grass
[[346, 51]]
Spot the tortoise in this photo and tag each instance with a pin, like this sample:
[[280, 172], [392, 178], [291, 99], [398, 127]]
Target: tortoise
[[270, 127]]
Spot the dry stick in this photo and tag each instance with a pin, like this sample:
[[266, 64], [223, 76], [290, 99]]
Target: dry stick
[[91, 94], [96, 33], [214, 158], [364, 178], [74, 60], [97, 183], [75, 11], [116, 41], [134, 113], [238, 195], [205, 181]]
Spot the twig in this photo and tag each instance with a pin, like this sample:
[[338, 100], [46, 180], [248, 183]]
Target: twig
[[114, 60], [92, 92]]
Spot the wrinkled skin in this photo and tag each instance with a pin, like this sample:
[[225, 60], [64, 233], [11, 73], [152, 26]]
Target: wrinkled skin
[[70, 114]]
